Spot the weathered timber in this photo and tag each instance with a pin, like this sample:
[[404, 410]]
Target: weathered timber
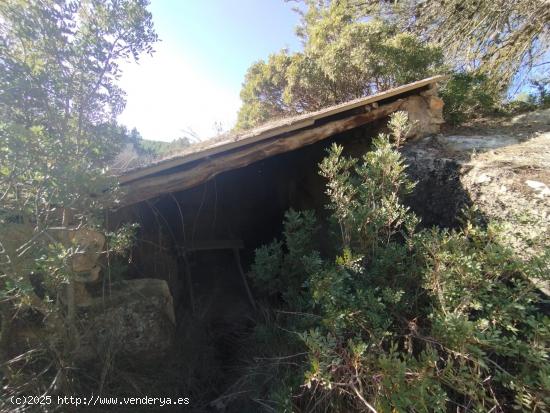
[[272, 129], [147, 188], [209, 245]]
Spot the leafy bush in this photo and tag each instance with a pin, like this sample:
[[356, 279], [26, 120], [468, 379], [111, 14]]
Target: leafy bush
[[518, 106], [279, 272], [406, 319], [541, 96], [537, 98], [59, 63], [467, 95], [345, 56]]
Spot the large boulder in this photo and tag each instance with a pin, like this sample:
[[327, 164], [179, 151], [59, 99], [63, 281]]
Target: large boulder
[[502, 167], [135, 318]]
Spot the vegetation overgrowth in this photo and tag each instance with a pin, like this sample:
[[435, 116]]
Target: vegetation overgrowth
[[59, 66], [399, 318], [352, 48], [392, 318]]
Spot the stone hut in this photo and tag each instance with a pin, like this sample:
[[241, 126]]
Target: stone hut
[[203, 212]]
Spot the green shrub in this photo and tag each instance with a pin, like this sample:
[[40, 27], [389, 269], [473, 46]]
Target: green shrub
[[467, 95], [411, 320], [518, 106], [541, 96], [538, 98], [279, 268], [59, 66]]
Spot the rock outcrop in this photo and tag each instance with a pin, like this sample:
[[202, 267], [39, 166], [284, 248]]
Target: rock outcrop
[[135, 319], [501, 166], [132, 317]]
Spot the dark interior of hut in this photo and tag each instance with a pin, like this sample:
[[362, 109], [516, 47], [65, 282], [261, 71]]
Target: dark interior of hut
[[202, 240]]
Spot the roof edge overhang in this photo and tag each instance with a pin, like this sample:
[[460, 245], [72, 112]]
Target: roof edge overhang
[[268, 131]]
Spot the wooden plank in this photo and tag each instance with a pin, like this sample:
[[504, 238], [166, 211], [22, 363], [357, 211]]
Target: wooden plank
[[260, 134], [209, 245], [153, 186], [212, 150], [243, 277], [189, 281]]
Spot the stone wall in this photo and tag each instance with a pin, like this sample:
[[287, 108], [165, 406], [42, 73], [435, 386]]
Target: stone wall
[[425, 112]]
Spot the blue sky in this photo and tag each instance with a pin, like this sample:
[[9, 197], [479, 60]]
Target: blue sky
[[194, 78]]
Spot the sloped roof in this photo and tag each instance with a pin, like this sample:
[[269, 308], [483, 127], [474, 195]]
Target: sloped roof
[[219, 145]]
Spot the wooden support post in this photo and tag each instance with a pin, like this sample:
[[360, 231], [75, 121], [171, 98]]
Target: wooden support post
[[243, 275], [189, 280]]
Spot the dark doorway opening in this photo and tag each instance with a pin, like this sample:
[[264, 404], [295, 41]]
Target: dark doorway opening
[[245, 206]]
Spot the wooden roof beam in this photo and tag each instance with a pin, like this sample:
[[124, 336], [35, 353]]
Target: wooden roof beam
[[153, 186]]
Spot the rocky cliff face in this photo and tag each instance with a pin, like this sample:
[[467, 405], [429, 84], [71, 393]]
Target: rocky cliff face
[[501, 166]]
